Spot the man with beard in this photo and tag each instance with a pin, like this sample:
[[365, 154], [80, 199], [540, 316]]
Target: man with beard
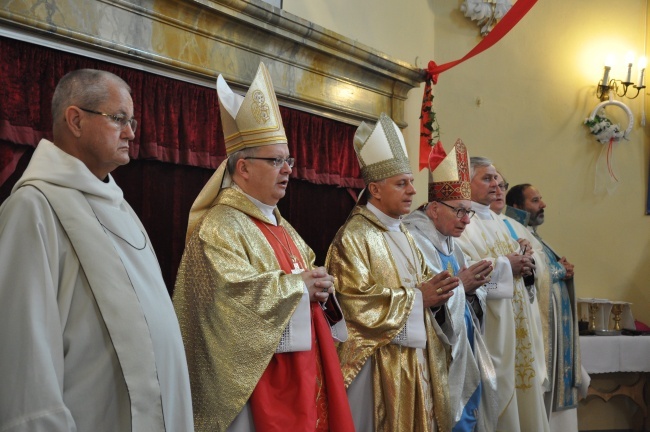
[[509, 334], [558, 310], [434, 226]]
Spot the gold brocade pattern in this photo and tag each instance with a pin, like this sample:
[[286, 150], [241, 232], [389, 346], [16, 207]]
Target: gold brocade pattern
[[233, 303], [376, 308], [524, 358], [524, 351]]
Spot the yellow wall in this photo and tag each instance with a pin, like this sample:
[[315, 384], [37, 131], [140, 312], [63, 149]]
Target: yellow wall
[[535, 88]]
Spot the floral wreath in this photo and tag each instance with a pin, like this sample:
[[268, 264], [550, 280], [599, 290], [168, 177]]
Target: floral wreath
[[607, 132], [604, 129]]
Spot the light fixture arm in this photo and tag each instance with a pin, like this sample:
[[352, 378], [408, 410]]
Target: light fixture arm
[[620, 88]]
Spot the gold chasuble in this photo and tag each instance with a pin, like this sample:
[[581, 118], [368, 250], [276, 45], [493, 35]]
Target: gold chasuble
[[235, 294], [377, 306]]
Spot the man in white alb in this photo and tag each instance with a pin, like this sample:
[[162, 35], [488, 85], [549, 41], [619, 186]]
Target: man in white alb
[[90, 341]]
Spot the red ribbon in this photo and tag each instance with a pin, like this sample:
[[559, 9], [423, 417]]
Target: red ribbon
[[514, 15]]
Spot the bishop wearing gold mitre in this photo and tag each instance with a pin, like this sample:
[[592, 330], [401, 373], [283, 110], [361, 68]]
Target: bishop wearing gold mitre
[[260, 351], [394, 363]]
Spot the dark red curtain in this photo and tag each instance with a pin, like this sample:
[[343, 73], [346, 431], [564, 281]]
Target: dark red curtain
[[178, 144], [177, 122]]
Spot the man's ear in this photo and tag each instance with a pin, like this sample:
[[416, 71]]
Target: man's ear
[[72, 117], [432, 210], [242, 169], [374, 190]]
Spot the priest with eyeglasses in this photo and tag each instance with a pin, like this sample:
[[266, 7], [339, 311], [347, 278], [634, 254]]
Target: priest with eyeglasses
[[434, 227], [249, 299]]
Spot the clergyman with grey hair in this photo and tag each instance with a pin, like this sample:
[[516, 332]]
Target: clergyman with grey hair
[[90, 340], [512, 334]]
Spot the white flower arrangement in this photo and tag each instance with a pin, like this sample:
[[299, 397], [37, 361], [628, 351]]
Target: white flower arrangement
[[604, 129]]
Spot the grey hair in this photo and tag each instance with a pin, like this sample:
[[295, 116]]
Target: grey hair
[[236, 156], [84, 88], [476, 162]]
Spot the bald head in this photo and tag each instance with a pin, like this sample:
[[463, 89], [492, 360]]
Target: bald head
[[85, 88]]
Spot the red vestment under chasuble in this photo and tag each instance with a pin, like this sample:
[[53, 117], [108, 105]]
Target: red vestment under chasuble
[[301, 391]]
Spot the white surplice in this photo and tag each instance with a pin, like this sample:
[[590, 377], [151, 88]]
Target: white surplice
[[509, 329], [90, 341]]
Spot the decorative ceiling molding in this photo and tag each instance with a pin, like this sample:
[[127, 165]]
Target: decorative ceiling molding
[[313, 69]]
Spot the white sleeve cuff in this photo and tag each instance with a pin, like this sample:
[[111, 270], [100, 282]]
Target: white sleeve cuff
[[413, 334], [501, 285], [297, 334]]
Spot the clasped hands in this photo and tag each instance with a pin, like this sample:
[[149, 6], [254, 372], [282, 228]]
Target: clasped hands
[[569, 268], [319, 284], [522, 265]]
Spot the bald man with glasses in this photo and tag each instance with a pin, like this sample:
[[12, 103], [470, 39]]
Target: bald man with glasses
[[90, 341]]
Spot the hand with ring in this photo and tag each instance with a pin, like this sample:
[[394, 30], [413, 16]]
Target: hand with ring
[[476, 275], [437, 290]]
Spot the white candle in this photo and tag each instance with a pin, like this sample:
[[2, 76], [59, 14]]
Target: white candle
[[629, 72], [606, 75], [629, 58], [642, 64]]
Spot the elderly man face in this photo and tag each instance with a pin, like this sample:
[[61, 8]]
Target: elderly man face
[[450, 217], [394, 195], [499, 201], [534, 205], [484, 185]]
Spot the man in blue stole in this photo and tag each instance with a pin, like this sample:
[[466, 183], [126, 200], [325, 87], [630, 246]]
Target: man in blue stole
[[559, 317], [472, 380]]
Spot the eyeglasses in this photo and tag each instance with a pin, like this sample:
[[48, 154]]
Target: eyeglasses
[[460, 212], [120, 119], [277, 162], [503, 186]]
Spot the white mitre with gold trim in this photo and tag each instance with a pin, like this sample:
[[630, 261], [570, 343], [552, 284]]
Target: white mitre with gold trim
[[248, 121], [381, 150], [252, 120]]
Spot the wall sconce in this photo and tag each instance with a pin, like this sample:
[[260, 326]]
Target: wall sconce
[[620, 87]]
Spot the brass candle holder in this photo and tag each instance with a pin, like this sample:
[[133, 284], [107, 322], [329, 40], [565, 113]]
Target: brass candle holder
[[593, 310], [617, 310]]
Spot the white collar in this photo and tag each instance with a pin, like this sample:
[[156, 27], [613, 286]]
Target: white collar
[[443, 241], [391, 223], [266, 209], [482, 211]]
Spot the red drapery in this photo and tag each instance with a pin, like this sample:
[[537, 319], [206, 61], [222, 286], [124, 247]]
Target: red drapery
[[178, 144], [177, 122]]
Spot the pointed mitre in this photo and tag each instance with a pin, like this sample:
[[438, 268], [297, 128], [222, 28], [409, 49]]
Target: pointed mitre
[[450, 175], [253, 120], [249, 121], [381, 150]]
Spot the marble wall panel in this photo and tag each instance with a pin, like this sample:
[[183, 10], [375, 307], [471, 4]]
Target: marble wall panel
[[312, 68]]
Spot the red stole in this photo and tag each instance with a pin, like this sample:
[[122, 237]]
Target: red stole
[[301, 391]]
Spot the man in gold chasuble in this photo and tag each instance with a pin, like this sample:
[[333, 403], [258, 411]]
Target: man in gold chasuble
[[511, 329], [394, 364], [260, 352]]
